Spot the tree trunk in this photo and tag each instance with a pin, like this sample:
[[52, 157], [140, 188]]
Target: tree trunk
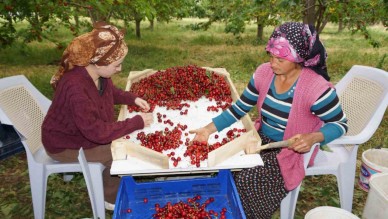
[[340, 23], [309, 17], [320, 19], [76, 18], [92, 16], [126, 23], [323, 25], [137, 21], [152, 24], [260, 30], [340, 26]]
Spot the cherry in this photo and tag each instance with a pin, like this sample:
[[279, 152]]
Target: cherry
[[192, 208]]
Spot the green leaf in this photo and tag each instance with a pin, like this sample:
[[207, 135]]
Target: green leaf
[[172, 90], [208, 74], [326, 148]]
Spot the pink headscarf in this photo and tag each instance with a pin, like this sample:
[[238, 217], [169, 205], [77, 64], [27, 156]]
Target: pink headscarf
[[299, 43]]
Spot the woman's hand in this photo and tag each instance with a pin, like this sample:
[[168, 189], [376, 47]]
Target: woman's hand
[[304, 142], [148, 118], [142, 104], [202, 134]]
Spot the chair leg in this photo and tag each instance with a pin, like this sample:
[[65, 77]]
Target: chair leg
[[288, 204], [38, 183], [98, 189], [345, 177], [346, 186]]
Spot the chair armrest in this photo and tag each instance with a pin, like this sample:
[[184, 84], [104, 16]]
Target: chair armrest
[[357, 139]]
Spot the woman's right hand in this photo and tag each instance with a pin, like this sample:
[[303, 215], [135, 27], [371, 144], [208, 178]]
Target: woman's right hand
[[148, 118], [202, 134], [143, 104]]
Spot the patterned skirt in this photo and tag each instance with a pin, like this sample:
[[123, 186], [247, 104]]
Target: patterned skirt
[[261, 188]]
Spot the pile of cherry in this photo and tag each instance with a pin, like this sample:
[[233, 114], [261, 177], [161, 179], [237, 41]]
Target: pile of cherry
[[173, 85], [192, 208], [173, 88]]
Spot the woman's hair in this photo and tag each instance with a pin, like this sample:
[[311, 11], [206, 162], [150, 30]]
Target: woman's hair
[[102, 46], [299, 43]]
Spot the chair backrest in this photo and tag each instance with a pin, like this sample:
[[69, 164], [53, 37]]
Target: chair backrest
[[363, 93], [25, 107]]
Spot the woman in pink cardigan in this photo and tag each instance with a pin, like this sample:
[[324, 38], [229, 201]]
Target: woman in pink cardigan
[[295, 100], [82, 110]]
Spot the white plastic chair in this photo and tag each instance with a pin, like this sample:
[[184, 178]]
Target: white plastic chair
[[90, 172], [363, 93], [24, 107]]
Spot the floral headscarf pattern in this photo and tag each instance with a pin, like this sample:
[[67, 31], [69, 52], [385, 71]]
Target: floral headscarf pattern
[[299, 43], [103, 45]]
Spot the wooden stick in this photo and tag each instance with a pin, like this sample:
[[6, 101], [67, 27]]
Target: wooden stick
[[278, 144]]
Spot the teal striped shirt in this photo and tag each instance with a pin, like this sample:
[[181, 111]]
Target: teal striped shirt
[[276, 109]]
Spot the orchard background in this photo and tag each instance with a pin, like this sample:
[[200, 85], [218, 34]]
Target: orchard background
[[178, 33]]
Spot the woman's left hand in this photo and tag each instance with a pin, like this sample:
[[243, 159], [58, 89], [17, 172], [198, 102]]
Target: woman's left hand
[[304, 142], [142, 104]]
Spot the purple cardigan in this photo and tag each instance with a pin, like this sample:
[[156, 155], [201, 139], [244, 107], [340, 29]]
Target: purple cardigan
[[309, 88], [80, 117]]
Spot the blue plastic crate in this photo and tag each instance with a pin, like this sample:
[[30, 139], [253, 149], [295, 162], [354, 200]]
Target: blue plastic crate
[[221, 187], [10, 141]]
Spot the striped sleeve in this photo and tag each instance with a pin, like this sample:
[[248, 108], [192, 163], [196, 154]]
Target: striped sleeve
[[329, 110], [238, 109]]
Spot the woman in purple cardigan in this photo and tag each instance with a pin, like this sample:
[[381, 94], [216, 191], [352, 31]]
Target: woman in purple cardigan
[[295, 100], [82, 110]]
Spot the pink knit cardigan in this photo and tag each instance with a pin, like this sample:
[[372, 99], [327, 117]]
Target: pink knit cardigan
[[309, 88]]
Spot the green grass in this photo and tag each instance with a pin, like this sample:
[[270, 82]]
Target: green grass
[[174, 44]]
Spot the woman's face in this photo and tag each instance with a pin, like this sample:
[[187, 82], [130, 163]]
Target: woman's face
[[111, 69], [281, 66]]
